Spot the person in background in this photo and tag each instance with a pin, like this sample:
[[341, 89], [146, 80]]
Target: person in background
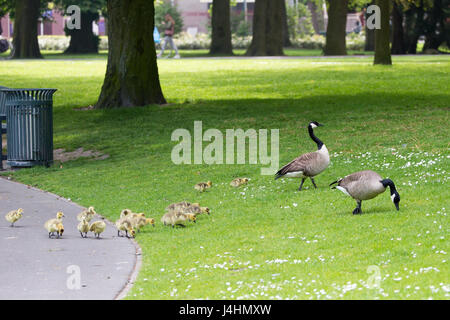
[[169, 26]]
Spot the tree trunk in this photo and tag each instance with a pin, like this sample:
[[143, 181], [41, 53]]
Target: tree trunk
[[398, 44], [286, 38], [25, 41], [314, 16], [221, 28], [382, 44], [83, 40], [435, 31], [267, 29], [337, 21], [132, 72]]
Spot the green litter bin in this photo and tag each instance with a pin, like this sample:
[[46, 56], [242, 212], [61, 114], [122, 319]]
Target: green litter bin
[[29, 120]]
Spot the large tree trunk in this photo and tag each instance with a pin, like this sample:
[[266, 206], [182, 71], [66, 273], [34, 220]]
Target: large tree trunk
[[435, 31], [413, 26], [132, 73], [382, 43], [83, 40], [398, 44], [267, 29], [25, 41], [337, 21], [221, 28], [286, 38]]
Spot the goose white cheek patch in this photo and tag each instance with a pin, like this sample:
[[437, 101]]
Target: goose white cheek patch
[[313, 125]]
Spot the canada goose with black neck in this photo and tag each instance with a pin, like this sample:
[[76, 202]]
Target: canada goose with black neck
[[310, 164], [365, 185]]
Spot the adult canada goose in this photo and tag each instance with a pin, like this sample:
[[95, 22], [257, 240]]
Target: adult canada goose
[[365, 185], [308, 165]]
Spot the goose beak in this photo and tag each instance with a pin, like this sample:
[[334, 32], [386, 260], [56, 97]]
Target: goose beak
[[320, 125], [397, 206]]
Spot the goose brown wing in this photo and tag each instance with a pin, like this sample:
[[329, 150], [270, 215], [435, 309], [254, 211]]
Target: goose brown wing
[[301, 163]]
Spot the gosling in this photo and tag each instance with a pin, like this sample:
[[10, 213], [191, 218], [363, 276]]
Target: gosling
[[125, 212], [202, 186], [86, 214], [55, 227], [125, 225], [59, 216], [83, 227], [97, 228], [177, 218], [238, 182], [13, 216]]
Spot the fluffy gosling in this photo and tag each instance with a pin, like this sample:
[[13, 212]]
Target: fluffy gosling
[[86, 214], [196, 209], [202, 186], [55, 227], [83, 227], [97, 228], [125, 212], [13, 216], [125, 225], [238, 182], [59, 216], [177, 218]]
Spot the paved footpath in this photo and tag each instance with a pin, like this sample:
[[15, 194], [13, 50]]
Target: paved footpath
[[32, 266]]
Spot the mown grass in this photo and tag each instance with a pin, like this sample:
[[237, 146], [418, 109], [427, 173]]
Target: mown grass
[[266, 241]]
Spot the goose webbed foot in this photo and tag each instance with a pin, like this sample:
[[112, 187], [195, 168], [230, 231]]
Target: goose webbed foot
[[314, 183], [301, 184], [358, 208]]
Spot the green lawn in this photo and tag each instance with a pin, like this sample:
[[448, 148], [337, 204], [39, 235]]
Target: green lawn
[[267, 241]]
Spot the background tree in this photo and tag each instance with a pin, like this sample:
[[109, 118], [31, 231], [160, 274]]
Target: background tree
[[25, 40], [284, 17], [83, 40], [382, 42], [337, 21], [132, 73], [221, 28], [436, 21], [267, 37], [398, 44]]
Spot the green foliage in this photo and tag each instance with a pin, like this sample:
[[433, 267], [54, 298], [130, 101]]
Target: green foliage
[[299, 21], [91, 6], [239, 27], [161, 9]]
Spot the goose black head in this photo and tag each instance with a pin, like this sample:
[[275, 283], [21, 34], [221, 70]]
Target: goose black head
[[395, 196], [315, 124], [396, 199]]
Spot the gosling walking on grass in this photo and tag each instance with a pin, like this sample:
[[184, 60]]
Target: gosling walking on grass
[[14, 216], [202, 186], [177, 219]]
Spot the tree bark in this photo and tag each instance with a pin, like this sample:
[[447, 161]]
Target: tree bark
[[435, 31], [382, 43], [25, 41], [337, 20], [267, 29], [132, 72], [221, 28], [286, 38], [398, 44], [84, 40]]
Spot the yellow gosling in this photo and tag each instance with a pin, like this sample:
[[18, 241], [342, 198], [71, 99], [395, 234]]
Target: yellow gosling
[[97, 228], [83, 227], [13, 216], [125, 224], [202, 186], [177, 218], [55, 227]]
